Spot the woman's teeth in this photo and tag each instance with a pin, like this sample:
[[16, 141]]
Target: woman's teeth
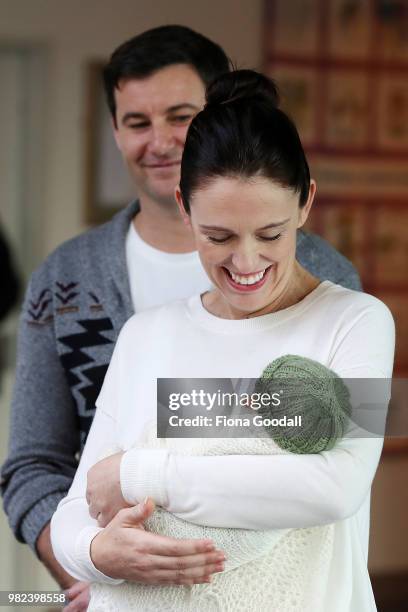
[[247, 280]]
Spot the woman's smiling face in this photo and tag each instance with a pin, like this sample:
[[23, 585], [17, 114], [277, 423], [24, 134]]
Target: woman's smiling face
[[245, 233]]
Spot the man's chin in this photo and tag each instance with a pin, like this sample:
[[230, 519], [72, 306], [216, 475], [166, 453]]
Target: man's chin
[[163, 195]]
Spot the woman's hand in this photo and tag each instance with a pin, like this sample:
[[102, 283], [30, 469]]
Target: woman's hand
[[103, 492], [125, 550]]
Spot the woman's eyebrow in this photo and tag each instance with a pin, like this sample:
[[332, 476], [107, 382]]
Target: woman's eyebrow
[[214, 228], [271, 225], [217, 228]]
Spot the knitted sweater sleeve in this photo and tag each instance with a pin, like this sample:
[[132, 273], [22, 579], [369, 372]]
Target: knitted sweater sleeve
[[44, 435], [284, 491], [72, 527]]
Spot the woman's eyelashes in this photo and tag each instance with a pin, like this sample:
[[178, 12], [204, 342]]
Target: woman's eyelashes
[[269, 238], [227, 238], [218, 240]]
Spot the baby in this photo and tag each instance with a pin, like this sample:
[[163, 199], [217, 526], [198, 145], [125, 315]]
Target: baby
[[275, 561]]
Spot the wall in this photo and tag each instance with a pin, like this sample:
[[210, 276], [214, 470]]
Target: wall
[[75, 32], [389, 502]]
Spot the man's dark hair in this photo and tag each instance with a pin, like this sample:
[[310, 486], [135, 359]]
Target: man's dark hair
[[241, 132], [154, 49]]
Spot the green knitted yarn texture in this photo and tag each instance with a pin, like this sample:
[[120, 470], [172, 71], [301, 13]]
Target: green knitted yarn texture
[[309, 390]]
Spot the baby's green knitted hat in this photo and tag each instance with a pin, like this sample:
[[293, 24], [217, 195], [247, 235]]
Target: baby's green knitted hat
[[309, 390]]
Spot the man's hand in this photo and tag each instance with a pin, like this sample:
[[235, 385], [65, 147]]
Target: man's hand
[[78, 596], [125, 550], [103, 492], [77, 592]]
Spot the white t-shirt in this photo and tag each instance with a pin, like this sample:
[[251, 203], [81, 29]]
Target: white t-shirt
[[157, 277], [350, 332]]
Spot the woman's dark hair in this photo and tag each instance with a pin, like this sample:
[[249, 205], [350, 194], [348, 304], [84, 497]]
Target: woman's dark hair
[[154, 49], [241, 132]]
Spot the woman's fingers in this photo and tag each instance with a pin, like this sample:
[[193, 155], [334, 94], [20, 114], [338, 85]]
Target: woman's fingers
[[156, 544], [200, 560], [125, 550], [192, 575], [173, 547]]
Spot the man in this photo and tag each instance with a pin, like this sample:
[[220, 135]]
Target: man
[[81, 296]]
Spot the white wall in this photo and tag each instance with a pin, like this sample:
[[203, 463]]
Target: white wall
[[77, 31]]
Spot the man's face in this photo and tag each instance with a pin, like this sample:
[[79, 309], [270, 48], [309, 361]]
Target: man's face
[[152, 118]]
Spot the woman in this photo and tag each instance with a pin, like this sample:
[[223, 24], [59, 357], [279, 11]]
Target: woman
[[245, 189]]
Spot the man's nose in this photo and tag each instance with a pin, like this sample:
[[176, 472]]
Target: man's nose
[[162, 140]]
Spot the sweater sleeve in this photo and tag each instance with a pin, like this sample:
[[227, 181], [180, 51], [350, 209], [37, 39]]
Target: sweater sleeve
[[284, 491], [44, 435], [72, 527]]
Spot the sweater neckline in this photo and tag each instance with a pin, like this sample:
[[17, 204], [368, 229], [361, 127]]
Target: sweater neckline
[[114, 254], [198, 313]]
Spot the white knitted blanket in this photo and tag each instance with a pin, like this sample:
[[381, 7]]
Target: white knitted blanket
[[275, 570]]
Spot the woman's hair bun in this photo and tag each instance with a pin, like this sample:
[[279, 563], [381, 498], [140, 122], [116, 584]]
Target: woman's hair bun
[[241, 85]]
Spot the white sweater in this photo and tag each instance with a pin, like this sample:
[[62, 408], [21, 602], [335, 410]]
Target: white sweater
[[282, 570], [349, 332]]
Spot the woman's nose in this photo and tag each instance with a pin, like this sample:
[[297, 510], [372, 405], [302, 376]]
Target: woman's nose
[[245, 260]]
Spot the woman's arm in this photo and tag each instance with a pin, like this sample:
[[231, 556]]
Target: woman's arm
[[123, 549], [72, 527], [261, 492]]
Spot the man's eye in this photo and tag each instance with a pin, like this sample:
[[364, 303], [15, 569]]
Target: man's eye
[[218, 240], [181, 118], [269, 238], [138, 126]]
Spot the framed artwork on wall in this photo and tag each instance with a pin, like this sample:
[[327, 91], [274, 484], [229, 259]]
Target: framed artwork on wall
[[349, 29], [393, 112], [342, 69], [298, 87], [391, 18], [348, 110], [296, 30]]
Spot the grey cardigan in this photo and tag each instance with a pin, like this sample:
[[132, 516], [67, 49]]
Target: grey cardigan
[[74, 308]]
